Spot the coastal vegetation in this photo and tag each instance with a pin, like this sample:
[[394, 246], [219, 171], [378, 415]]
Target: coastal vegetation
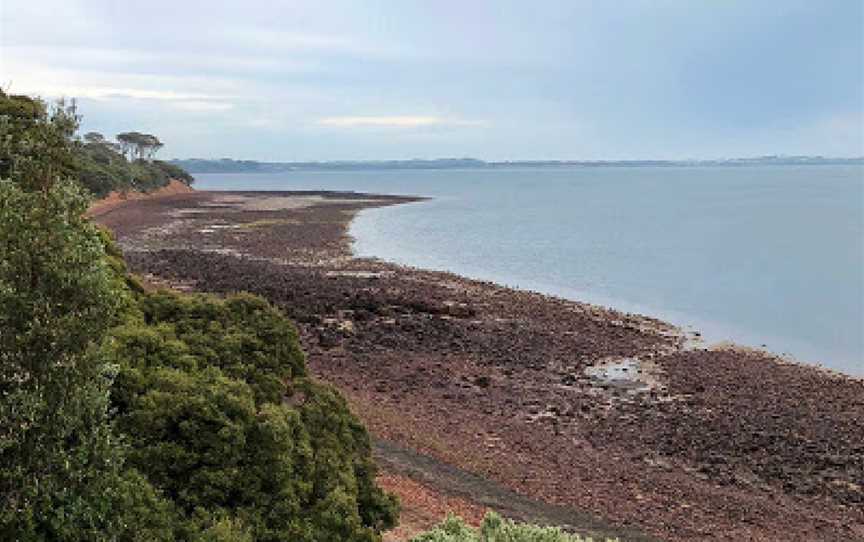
[[135, 415], [128, 414], [223, 419], [494, 529], [62, 473], [44, 136]]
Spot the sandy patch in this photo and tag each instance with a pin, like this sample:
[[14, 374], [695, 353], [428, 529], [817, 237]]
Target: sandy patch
[[270, 202]]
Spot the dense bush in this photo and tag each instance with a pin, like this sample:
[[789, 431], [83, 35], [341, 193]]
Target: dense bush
[[62, 471], [223, 420], [227, 439], [174, 171], [495, 529]]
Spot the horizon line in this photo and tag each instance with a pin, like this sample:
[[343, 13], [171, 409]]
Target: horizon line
[[529, 160]]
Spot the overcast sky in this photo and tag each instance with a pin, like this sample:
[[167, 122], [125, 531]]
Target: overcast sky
[[321, 80]]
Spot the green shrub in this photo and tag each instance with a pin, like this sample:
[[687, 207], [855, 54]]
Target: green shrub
[[495, 529], [243, 336], [174, 171], [222, 419]]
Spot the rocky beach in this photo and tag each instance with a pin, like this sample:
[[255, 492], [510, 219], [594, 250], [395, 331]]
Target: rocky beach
[[549, 410]]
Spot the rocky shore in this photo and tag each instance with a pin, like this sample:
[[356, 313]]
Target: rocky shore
[[610, 416]]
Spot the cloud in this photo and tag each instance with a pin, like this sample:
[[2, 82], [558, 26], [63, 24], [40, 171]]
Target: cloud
[[115, 60], [97, 86], [201, 106], [178, 100], [395, 121], [276, 41], [104, 93], [326, 80]]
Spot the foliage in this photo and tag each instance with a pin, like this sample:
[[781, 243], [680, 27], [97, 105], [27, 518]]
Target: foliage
[[173, 171], [130, 416], [138, 145], [495, 529], [36, 141], [234, 442], [61, 465], [102, 167], [214, 395], [38, 146]]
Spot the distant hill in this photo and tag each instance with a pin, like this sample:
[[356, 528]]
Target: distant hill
[[228, 165]]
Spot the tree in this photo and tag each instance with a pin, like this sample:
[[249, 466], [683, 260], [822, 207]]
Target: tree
[[36, 141], [38, 145], [150, 145], [126, 140], [62, 474], [94, 137], [136, 145], [61, 464]]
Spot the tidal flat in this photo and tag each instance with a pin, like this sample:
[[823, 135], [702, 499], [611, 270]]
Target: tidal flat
[[528, 393]]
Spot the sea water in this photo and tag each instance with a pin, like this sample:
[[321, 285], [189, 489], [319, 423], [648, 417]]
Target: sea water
[[767, 257]]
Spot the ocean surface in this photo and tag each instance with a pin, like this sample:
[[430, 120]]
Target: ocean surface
[[767, 257]]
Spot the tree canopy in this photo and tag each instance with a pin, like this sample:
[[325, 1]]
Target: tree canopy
[[62, 473], [225, 422], [138, 145]]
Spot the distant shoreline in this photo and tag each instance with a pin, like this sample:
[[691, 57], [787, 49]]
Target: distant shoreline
[[195, 165]]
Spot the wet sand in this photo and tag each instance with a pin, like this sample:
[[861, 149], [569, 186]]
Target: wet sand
[[605, 422]]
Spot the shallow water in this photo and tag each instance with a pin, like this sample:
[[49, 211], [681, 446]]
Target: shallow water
[[758, 255]]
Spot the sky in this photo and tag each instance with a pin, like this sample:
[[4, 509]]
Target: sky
[[496, 80]]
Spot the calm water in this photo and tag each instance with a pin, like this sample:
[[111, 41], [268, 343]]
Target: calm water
[[759, 255]]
